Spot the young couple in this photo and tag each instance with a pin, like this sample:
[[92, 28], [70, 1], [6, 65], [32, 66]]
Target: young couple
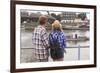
[[42, 42]]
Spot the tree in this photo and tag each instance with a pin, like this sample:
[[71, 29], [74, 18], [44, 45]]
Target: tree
[[82, 16], [53, 15], [58, 17]]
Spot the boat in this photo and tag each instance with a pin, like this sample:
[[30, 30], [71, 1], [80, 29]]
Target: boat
[[80, 38]]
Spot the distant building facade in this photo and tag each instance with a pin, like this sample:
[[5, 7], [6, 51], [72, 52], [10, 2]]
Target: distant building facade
[[72, 18], [33, 17], [30, 20], [68, 17]]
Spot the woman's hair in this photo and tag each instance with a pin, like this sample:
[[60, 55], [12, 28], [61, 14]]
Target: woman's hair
[[42, 19], [56, 26]]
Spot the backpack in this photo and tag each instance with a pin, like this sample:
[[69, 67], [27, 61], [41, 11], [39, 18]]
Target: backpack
[[55, 50], [54, 43]]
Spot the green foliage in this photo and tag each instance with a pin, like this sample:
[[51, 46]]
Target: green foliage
[[82, 16], [58, 17], [53, 15]]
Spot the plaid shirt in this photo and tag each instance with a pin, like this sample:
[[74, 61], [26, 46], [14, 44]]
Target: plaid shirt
[[40, 42]]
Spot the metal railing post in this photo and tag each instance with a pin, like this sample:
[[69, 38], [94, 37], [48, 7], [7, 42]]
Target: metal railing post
[[79, 52]]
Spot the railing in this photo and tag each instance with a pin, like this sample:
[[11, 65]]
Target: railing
[[79, 47], [69, 47]]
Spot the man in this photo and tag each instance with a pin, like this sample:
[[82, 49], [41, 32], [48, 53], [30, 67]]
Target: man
[[40, 40]]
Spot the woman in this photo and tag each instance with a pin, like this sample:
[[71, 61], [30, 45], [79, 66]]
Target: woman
[[57, 42]]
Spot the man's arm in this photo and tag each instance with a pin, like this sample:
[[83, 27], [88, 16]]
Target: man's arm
[[44, 38]]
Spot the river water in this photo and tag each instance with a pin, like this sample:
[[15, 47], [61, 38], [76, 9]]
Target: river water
[[80, 33], [26, 38]]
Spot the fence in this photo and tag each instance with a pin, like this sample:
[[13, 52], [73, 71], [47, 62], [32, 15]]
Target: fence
[[79, 50], [73, 53]]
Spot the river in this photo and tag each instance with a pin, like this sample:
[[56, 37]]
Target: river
[[26, 38]]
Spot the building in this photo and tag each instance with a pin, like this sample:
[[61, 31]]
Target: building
[[24, 17], [33, 17], [72, 18], [30, 20], [68, 17]]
